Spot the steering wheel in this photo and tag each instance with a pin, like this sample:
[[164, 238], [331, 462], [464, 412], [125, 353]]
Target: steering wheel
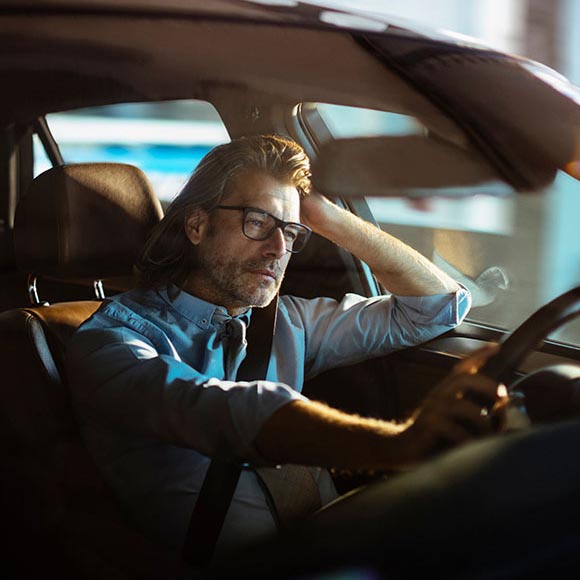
[[530, 333]]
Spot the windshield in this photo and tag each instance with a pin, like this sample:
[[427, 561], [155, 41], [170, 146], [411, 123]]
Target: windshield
[[514, 252]]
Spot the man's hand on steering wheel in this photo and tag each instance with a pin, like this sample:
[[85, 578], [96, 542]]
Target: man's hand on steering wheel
[[466, 405]]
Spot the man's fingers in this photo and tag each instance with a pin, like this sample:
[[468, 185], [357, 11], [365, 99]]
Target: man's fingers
[[474, 362], [459, 428], [461, 408], [478, 388], [473, 417], [450, 434]]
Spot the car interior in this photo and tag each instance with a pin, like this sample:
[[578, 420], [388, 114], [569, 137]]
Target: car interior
[[69, 236]]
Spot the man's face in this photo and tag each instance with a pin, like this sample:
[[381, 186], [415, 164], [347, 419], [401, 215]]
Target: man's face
[[234, 271]]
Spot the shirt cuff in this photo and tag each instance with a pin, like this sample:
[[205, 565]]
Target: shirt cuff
[[251, 405], [446, 310]]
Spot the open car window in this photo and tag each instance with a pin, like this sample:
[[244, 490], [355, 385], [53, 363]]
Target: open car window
[[166, 140], [514, 252]]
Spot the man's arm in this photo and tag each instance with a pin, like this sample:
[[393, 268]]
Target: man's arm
[[120, 379], [398, 267], [307, 432], [310, 433]]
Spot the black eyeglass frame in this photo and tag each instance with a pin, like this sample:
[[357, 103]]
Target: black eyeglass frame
[[278, 223]]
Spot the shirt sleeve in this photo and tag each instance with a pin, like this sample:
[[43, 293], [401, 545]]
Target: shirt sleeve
[[120, 379], [356, 328]]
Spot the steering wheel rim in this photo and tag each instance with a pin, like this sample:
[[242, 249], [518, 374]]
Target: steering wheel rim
[[516, 346]]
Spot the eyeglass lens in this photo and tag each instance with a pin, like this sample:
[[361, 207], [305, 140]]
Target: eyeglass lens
[[259, 226]]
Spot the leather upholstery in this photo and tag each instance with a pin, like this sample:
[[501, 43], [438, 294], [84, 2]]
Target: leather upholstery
[[58, 323], [83, 220], [61, 519], [59, 514]]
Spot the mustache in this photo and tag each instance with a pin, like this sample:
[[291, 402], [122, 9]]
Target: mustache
[[275, 267]]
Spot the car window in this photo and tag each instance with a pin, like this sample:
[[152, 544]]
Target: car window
[[356, 122], [166, 140], [514, 252]]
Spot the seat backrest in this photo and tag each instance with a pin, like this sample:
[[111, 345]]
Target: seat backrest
[[85, 220], [61, 518]]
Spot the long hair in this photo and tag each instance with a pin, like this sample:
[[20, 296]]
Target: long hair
[[168, 255]]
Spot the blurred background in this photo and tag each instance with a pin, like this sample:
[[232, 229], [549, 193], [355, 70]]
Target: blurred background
[[543, 30]]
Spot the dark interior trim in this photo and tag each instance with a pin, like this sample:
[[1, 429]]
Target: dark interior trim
[[49, 143]]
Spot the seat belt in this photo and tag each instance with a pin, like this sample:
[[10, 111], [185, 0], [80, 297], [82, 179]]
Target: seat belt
[[219, 485]]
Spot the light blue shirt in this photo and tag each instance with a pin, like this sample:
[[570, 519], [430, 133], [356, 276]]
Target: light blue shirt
[[154, 400]]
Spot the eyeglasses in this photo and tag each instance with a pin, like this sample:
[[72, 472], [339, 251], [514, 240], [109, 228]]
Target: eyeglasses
[[259, 225]]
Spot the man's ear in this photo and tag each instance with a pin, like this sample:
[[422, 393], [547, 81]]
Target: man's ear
[[196, 225]]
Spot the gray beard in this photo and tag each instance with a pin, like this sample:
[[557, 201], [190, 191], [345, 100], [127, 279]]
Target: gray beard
[[225, 281]]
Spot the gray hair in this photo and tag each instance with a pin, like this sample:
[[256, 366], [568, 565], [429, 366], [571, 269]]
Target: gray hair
[[168, 255]]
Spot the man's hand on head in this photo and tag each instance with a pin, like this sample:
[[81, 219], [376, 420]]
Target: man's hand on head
[[316, 210], [398, 267]]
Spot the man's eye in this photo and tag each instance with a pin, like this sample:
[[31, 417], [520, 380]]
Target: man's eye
[[290, 235], [256, 222]]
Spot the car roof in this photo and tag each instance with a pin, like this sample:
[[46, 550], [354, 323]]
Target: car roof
[[305, 12], [243, 56], [61, 55]]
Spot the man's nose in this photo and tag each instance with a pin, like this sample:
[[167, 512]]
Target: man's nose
[[275, 244]]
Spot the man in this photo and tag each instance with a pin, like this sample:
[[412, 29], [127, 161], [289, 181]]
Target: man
[[153, 372]]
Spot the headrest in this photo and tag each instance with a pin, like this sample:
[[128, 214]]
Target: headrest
[[85, 220]]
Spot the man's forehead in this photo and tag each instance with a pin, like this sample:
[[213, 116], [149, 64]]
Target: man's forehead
[[253, 187]]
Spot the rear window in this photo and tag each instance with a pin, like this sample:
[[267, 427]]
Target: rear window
[[166, 140]]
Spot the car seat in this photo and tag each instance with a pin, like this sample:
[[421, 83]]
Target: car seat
[[86, 221]]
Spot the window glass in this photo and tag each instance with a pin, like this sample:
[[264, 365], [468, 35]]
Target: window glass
[[356, 122], [513, 252], [166, 140]]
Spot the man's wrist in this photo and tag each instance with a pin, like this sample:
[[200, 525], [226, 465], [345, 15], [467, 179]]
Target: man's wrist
[[397, 449], [321, 214], [333, 222]]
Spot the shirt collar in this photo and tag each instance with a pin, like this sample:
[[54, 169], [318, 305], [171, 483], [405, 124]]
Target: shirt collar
[[199, 311]]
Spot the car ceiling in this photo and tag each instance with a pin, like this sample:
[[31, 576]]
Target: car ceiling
[[57, 61], [247, 59]]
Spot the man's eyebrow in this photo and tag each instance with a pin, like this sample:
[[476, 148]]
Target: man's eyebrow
[[264, 211]]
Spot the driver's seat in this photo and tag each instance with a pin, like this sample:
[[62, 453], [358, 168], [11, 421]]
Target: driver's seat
[[86, 221]]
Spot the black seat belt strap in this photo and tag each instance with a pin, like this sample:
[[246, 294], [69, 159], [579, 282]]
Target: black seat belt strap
[[222, 477]]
